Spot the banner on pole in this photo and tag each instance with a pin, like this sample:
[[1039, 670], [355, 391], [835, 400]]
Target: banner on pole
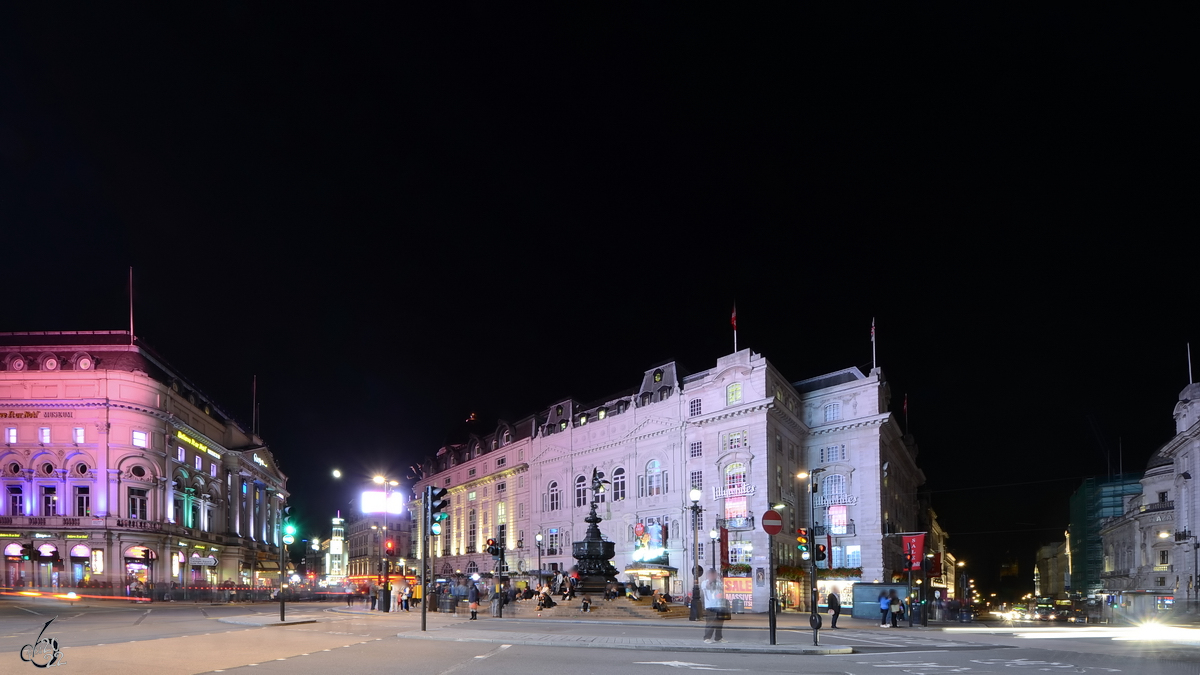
[[914, 550]]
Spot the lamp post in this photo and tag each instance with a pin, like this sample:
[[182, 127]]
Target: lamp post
[[387, 484], [715, 535], [695, 494], [538, 540], [814, 618]]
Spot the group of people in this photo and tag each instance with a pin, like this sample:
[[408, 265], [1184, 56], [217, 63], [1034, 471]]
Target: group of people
[[404, 596], [891, 607]]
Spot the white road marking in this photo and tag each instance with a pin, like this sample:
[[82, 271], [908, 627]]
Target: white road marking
[[30, 611], [494, 652], [684, 664]]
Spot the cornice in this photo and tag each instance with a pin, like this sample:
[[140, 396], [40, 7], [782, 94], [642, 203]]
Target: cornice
[[490, 478], [874, 421], [736, 411], [789, 418]]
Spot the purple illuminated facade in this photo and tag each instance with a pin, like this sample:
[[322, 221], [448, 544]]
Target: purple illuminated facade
[[116, 467]]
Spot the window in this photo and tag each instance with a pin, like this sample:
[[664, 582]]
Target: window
[[618, 484], [521, 510], [77, 434], [501, 514], [178, 512], [778, 393], [779, 444], [854, 556], [137, 503], [507, 437], [470, 472], [656, 479], [81, 469], [834, 487], [733, 393], [471, 496], [447, 481], [44, 435], [580, 491], [48, 468], [663, 393], [520, 481], [181, 455], [835, 453], [698, 479], [16, 501], [501, 462], [696, 449], [700, 550], [199, 462], [495, 443], [10, 435], [695, 407], [139, 439], [601, 413], [553, 497], [583, 419], [735, 477], [212, 469], [791, 452], [658, 375], [1160, 581], [501, 487], [1164, 558], [836, 520], [558, 411], [833, 412], [49, 501], [472, 568], [1162, 498], [562, 426], [736, 439], [603, 491], [471, 532], [740, 552], [83, 502]]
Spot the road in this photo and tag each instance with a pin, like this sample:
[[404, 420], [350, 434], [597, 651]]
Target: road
[[180, 638]]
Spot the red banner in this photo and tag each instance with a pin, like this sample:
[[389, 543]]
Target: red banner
[[935, 565], [914, 550]]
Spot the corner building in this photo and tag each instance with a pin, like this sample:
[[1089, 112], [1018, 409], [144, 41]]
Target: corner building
[[116, 467], [740, 432]]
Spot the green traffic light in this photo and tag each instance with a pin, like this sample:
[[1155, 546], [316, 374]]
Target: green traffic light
[[436, 528], [289, 529]]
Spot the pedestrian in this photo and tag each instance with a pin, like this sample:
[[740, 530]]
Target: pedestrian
[[405, 596], [884, 609], [374, 594], [894, 607], [587, 604], [835, 609], [473, 601], [715, 611], [512, 593], [349, 595], [417, 593]]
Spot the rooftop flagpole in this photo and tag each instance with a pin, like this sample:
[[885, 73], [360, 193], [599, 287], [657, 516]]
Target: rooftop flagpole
[[874, 363], [131, 305], [1189, 348], [733, 322]]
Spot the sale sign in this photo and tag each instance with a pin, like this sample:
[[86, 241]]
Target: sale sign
[[914, 550]]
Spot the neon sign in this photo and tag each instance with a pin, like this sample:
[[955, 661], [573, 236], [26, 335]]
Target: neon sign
[[259, 461], [191, 441]]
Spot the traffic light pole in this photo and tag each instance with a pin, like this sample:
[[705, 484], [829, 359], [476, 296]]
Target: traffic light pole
[[282, 576], [426, 576]]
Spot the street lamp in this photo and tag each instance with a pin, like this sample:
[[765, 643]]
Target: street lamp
[[695, 494], [715, 535], [538, 539], [387, 484], [815, 618]]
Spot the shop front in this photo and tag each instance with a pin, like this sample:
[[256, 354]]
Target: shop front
[[14, 566], [649, 577], [139, 567]]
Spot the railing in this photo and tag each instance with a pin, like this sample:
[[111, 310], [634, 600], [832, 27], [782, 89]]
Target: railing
[[1159, 506], [741, 523], [109, 522], [1164, 568], [846, 530]]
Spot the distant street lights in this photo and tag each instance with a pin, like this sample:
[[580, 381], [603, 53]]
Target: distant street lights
[[695, 494], [815, 617], [538, 539], [387, 484], [715, 535]]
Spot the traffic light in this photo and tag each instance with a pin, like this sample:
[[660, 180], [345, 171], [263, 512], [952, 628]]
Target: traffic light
[[437, 503], [494, 549], [289, 528], [28, 552], [802, 542], [820, 553], [389, 548]]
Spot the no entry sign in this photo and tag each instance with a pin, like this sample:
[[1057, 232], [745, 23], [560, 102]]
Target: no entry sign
[[772, 522]]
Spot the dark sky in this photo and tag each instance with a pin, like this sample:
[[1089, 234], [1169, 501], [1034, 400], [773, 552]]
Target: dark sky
[[395, 218]]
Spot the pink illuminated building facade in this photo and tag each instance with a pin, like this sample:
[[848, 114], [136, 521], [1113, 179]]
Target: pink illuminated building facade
[[118, 468]]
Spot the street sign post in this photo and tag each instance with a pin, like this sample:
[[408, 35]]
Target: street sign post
[[772, 524]]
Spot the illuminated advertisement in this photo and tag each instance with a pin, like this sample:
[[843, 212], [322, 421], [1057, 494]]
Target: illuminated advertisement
[[373, 502], [740, 588]]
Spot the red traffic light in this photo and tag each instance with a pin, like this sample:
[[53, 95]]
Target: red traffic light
[[390, 545], [491, 542]]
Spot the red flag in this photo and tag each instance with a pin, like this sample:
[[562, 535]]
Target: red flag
[[914, 550], [733, 318]]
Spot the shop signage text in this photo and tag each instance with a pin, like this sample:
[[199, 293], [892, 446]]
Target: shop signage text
[[259, 461], [36, 414], [9, 535], [77, 536], [837, 500], [209, 561], [42, 535], [191, 441]]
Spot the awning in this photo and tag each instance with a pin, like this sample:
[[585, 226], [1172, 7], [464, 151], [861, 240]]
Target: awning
[[650, 570], [264, 565]]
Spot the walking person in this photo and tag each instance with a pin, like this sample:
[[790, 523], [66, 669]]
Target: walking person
[[884, 609], [835, 609], [473, 601], [894, 607], [374, 591], [714, 607], [349, 595]]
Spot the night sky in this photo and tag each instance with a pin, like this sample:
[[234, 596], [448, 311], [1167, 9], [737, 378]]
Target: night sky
[[395, 218]]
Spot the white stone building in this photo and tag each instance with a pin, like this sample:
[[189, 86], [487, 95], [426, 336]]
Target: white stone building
[[740, 431]]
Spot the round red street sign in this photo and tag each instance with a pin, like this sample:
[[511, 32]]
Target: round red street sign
[[639, 529], [772, 522]]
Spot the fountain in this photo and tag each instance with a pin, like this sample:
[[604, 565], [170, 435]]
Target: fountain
[[593, 554]]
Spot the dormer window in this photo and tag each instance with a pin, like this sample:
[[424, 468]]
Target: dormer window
[[601, 413], [658, 374], [507, 437], [558, 411], [583, 419], [495, 444], [562, 426]]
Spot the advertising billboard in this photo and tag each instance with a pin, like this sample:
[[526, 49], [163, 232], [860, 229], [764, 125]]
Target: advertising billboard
[[373, 502]]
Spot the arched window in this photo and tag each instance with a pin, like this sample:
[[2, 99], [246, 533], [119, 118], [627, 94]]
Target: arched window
[[647, 398], [447, 570], [836, 519], [658, 375], [583, 419], [558, 410], [601, 413], [735, 476], [833, 412], [562, 426], [472, 568], [495, 444], [553, 497], [507, 437], [695, 407], [581, 489], [472, 530], [656, 483], [618, 484], [834, 485], [733, 393], [663, 393]]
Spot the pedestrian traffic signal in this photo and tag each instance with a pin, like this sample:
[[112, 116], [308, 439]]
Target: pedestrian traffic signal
[[802, 542], [436, 502], [820, 553], [390, 549]]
